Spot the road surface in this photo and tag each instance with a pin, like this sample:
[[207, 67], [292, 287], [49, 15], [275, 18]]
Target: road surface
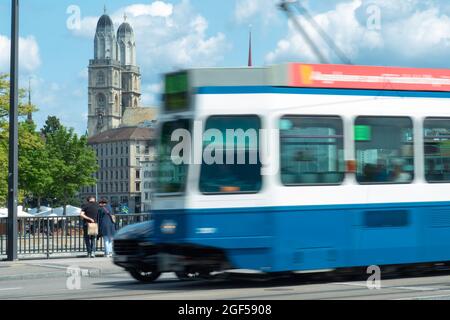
[[123, 287]]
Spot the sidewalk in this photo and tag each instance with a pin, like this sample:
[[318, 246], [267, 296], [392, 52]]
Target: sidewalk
[[57, 268]]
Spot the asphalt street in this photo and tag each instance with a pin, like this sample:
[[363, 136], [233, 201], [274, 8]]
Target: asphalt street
[[122, 287]]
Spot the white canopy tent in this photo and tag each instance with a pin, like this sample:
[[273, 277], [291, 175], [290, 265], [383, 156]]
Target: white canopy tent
[[20, 213], [42, 209], [71, 211]]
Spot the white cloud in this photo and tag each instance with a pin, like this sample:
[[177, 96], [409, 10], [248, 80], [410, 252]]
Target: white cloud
[[264, 10], [155, 9], [411, 33], [151, 94], [29, 57], [167, 36], [86, 28]]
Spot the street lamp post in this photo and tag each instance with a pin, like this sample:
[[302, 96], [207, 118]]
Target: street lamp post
[[13, 134]]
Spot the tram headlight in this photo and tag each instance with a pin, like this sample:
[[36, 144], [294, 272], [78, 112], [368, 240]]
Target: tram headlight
[[168, 227]]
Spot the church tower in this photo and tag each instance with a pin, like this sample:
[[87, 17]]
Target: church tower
[[105, 80], [131, 76]]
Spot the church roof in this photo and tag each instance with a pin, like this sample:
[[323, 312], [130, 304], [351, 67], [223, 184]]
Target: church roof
[[105, 24], [124, 30], [122, 134], [137, 116]]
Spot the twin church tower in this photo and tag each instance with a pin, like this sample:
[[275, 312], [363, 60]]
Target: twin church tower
[[114, 77]]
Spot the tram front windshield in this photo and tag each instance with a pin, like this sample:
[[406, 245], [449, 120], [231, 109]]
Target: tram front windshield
[[171, 177]]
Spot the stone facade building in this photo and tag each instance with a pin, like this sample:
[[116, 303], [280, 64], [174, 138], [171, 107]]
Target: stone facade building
[[119, 129], [148, 183], [120, 176], [114, 78]]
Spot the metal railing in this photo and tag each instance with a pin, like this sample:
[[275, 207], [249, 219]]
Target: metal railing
[[50, 236]]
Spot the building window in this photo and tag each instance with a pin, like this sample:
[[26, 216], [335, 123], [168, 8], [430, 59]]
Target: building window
[[147, 196], [126, 162], [384, 150], [311, 150], [101, 101], [100, 78], [138, 174], [138, 187], [437, 149], [138, 149]]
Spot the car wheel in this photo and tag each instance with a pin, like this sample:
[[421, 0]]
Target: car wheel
[[145, 276]]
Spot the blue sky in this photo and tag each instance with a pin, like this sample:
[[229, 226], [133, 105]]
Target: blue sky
[[189, 33]]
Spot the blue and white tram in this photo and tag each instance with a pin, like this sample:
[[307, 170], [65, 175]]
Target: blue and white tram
[[354, 169]]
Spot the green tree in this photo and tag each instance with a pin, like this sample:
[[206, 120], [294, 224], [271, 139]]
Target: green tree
[[74, 164], [24, 109], [52, 124], [35, 164]]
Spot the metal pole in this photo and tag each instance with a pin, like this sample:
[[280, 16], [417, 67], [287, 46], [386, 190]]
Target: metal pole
[[13, 134], [285, 7]]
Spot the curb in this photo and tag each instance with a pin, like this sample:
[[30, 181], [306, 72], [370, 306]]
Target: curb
[[84, 273]]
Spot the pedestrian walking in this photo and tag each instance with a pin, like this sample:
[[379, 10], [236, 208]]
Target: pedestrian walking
[[89, 214], [107, 221]]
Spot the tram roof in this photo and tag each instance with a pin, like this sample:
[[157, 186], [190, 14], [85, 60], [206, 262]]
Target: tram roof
[[324, 76]]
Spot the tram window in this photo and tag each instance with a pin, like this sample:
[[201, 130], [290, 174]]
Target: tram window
[[384, 150], [171, 178], [437, 149], [312, 150], [232, 145]]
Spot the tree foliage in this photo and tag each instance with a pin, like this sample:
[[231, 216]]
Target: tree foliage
[[52, 124], [74, 163], [54, 163]]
